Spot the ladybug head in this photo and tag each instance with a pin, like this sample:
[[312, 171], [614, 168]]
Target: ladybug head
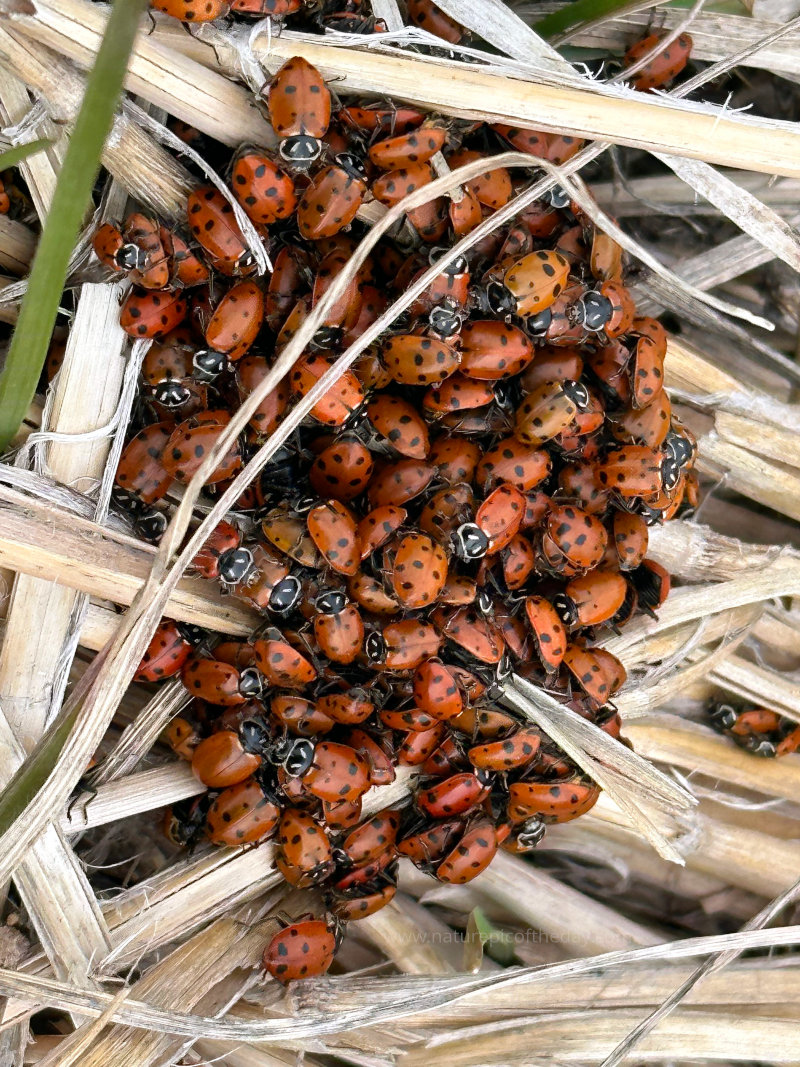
[[759, 746], [459, 265], [444, 320], [566, 610], [208, 364], [171, 393], [483, 603], [131, 257], [327, 337], [331, 603], [679, 448], [530, 834], [151, 525], [537, 325], [496, 299], [470, 542], [723, 716], [254, 735], [235, 565], [670, 473], [375, 647], [300, 151], [577, 393], [295, 755], [594, 311], [191, 633], [352, 166], [251, 683], [557, 198], [285, 595]]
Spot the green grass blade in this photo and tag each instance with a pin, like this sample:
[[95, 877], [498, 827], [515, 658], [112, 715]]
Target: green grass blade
[[574, 14], [19, 152], [73, 191]]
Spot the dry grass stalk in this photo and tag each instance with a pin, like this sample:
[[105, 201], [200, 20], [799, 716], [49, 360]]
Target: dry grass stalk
[[17, 244]]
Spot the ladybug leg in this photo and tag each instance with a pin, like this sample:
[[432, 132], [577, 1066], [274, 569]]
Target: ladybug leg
[[83, 787]]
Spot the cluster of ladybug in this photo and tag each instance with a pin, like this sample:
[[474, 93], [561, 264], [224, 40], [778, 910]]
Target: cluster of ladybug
[[758, 730], [472, 498]]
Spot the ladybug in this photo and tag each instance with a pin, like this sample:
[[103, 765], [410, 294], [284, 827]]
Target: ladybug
[[605, 260], [141, 469], [190, 11], [492, 350], [664, 65], [265, 191], [426, 15], [518, 561], [416, 146], [113, 251], [378, 525], [402, 646], [529, 285], [191, 440], [548, 410], [333, 530], [338, 628], [237, 318], [455, 795], [472, 855], [373, 838], [573, 540], [281, 664], [304, 846], [400, 423], [591, 599], [456, 458], [652, 584], [512, 462], [345, 312], [241, 814], [457, 394], [431, 841], [397, 483], [287, 531], [228, 757], [629, 540], [342, 814], [378, 756], [250, 372], [552, 801], [348, 708], [341, 399], [331, 201], [389, 189], [338, 772], [268, 586], [636, 470], [170, 647], [418, 571], [548, 632], [302, 950], [419, 745], [214, 227], [299, 105], [185, 822], [342, 470], [608, 308], [222, 556], [276, 9], [183, 737], [186, 269], [152, 314], [152, 270], [470, 631], [410, 719], [412, 359], [358, 902], [649, 426], [500, 515], [598, 673], [286, 284], [510, 753], [492, 189], [301, 717], [436, 690]]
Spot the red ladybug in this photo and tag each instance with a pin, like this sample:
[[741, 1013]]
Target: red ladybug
[[426, 15], [402, 646], [400, 423], [331, 201], [416, 146], [548, 632], [529, 285], [517, 750], [348, 708], [360, 901], [597, 672], [237, 318], [415, 360], [304, 949], [500, 516], [281, 664], [663, 66], [493, 350], [573, 540], [378, 525], [389, 189], [265, 191], [340, 401], [338, 772], [332, 527], [214, 227], [169, 649], [342, 470], [552, 801], [190, 11], [511, 461], [220, 683], [191, 440], [241, 814], [141, 469], [418, 570], [419, 745], [299, 106], [397, 483], [338, 628], [436, 690], [373, 838], [455, 795], [591, 599], [149, 314], [472, 855], [304, 846]]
